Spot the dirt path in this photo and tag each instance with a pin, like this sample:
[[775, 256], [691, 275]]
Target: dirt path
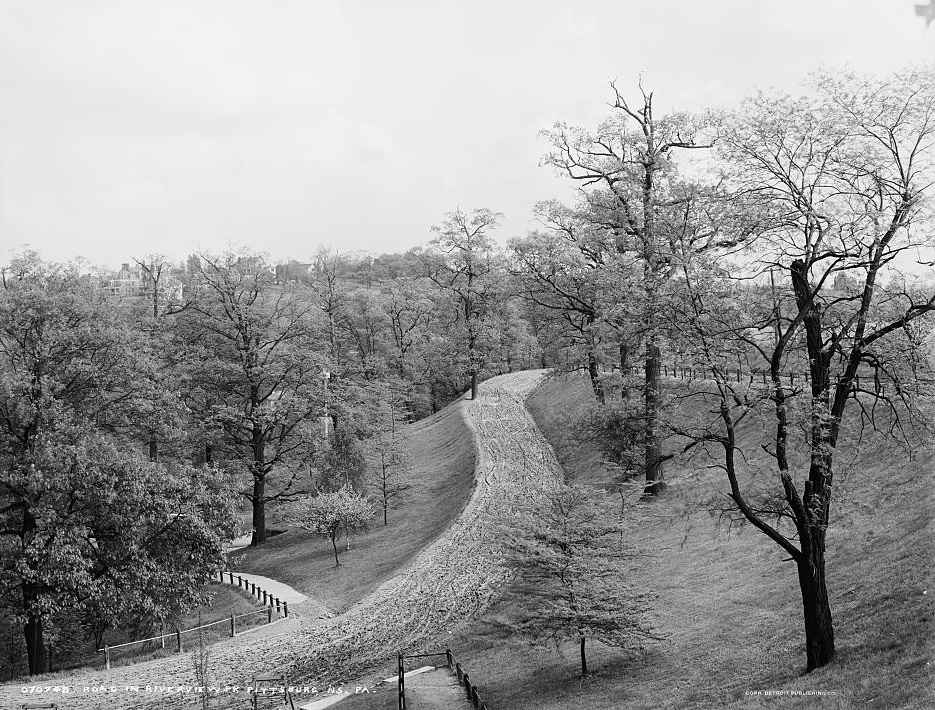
[[450, 581], [435, 690], [282, 591]]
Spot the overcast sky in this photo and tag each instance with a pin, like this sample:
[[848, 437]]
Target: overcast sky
[[130, 126]]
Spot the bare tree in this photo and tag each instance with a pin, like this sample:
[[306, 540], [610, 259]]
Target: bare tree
[[837, 179]]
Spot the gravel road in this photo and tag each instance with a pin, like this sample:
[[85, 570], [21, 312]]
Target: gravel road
[[451, 580]]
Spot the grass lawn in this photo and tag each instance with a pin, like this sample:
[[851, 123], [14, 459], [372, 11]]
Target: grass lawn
[[728, 604], [557, 405], [441, 478]]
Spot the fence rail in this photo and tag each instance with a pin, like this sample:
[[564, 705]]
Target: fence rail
[[261, 594], [764, 377], [281, 607]]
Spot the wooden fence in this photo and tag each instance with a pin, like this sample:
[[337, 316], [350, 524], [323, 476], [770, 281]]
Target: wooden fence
[[261, 594], [270, 603], [178, 633], [762, 377], [464, 680]]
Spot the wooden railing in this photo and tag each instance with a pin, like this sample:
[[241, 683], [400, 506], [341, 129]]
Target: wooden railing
[[231, 620], [463, 679], [261, 594]]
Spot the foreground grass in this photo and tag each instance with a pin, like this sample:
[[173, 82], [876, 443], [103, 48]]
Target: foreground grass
[[441, 477], [729, 605]]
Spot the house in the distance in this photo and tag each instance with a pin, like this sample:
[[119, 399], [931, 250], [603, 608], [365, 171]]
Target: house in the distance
[[127, 282], [137, 282]]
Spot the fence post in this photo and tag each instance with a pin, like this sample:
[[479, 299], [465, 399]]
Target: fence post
[[233, 632], [448, 656], [252, 588], [163, 637], [232, 577], [277, 605], [401, 673], [269, 615], [239, 582], [106, 656], [178, 640], [264, 596], [475, 698], [285, 608], [221, 572], [467, 686]]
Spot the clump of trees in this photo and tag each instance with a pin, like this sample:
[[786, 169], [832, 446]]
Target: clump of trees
[[128, 426], [89, 526], [779, 258]]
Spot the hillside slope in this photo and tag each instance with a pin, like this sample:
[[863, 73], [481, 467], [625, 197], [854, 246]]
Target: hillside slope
[[729, 605], [440, 476]]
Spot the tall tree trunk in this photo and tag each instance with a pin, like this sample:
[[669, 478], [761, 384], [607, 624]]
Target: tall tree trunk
[[259, 483], [653, 458], [584, 660], [32, 628], [624, 359], [259, 511], [35, 644], [334, 544], [473, 385], [595, 374], [819, 629]]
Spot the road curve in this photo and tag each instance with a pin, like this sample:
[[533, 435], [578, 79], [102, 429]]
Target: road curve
[[449, 581]]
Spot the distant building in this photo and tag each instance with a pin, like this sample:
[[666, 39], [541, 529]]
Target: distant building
[[293, 272], [127, 282], [137, 282]]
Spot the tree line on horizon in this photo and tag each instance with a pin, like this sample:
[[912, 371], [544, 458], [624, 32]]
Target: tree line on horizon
[[131, 430]]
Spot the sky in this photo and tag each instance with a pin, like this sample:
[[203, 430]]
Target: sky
[[131, 127]]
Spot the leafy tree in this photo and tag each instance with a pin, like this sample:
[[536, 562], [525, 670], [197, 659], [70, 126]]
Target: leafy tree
[[328, 514], [255, 373], [462, 261], [82, 523], [327, 276], [163, 290], [632, 194], [570, 554], [365, 320], [560, 273]]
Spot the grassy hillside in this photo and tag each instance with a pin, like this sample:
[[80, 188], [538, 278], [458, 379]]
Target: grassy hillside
[[728, 603], [557, 405], [441, 477]]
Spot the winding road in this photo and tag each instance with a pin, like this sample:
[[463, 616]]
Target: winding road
[[448, 582]]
